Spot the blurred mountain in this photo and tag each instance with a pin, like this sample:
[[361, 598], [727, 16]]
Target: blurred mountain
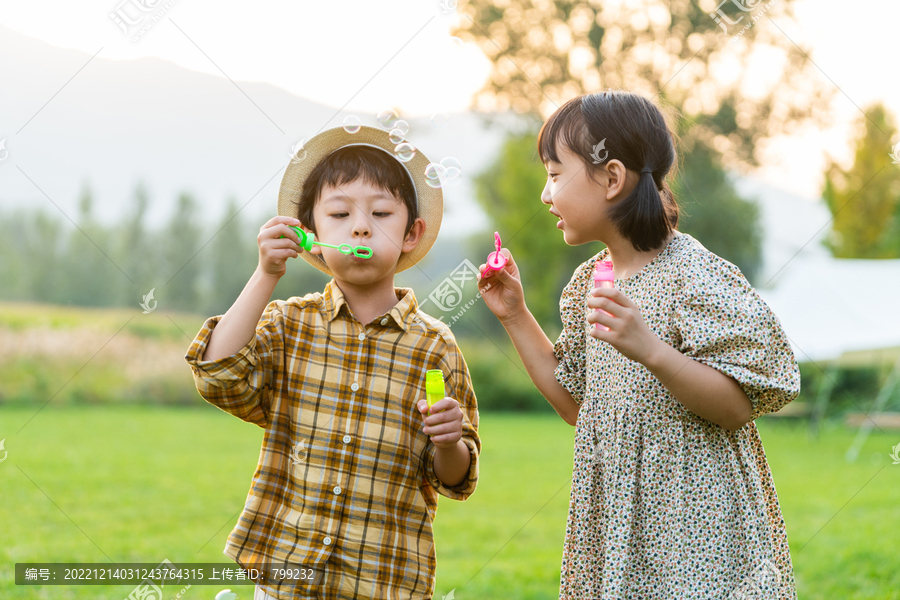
[[70, 120]]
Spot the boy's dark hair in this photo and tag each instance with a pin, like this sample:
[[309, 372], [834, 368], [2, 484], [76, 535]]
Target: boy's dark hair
[[636, 133], [350, 163]]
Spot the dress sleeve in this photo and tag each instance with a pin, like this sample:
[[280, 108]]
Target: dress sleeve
[[459, 385], [570, 348], [241, 384], [722, 322]]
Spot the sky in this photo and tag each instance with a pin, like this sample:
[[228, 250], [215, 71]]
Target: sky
[[369, 56]]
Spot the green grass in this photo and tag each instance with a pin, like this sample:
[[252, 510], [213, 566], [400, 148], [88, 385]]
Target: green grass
[[141, 483]]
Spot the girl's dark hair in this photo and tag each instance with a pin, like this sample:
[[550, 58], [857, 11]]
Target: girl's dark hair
[[635, 132], [350, 163]]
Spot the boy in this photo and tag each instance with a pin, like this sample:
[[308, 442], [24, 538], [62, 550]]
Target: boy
[[352, 458]]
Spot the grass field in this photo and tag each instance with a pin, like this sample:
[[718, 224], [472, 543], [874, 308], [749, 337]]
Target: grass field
[[140, 484]]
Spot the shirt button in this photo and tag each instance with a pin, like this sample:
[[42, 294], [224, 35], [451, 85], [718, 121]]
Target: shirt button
[[354, 387], [384, 321], [346, 439], [361, 336], [337, 490], [327, 541]]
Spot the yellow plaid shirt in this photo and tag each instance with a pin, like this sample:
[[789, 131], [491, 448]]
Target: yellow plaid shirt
[[345, 482]]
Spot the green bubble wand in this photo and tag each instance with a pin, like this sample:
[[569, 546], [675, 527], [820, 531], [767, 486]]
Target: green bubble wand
[[308, 239]]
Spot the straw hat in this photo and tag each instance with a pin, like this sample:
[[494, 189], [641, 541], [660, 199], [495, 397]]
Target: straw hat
[[430, 200]]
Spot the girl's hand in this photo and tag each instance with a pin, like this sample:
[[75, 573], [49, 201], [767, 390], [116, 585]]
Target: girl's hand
[[502, 290], [443, 421], [274, 252], [628, 333]]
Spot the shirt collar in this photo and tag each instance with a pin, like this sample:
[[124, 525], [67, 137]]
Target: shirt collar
[[404, 313]]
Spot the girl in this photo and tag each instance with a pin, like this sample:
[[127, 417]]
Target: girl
[[671, 493]]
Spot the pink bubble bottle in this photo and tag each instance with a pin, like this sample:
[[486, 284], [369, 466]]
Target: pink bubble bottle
[[495, 260], [603, 278]]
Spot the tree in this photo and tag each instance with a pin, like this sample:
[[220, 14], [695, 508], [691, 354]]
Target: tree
[[90, 275], [544, 53], [865, 199], [137, 251], [713, 212], [180, 244], [231, 262]]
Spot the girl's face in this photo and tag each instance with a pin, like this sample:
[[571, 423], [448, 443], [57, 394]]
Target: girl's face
[[581, 202]]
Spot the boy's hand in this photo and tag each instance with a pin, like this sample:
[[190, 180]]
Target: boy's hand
[[444, 422], [274, 252], [502, 290]]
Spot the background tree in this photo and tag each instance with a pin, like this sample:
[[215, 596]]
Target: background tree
[[865, 199], [180, 244], [91, 274], [544, 53], [231, 261], [137, 251]]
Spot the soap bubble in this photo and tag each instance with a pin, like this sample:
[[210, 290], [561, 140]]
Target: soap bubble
[[405, 152], [396, 136], [403, 126], [226, 595], [351, 124], [387, 118], [450, 162], [439, 120], [434, 175], [452, 173]]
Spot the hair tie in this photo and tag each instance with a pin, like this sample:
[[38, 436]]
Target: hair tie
[[646, 170]]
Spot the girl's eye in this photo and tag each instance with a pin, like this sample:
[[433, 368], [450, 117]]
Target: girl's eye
[[381, 213], [338, 215], [551, 175]]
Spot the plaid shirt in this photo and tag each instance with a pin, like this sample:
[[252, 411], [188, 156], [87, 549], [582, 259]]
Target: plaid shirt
[[345, 482]]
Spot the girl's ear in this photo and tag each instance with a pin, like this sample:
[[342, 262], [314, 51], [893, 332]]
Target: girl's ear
[[618, 186]]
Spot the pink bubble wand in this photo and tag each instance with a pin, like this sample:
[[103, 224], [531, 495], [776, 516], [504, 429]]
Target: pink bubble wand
[[495, 260]]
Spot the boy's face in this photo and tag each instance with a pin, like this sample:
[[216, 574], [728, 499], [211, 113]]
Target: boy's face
[[361, 214]]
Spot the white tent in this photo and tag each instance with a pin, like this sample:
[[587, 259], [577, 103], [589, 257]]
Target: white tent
[[831, 308], [835, 311]]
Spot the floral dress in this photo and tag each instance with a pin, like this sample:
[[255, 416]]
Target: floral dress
[[666, 504]]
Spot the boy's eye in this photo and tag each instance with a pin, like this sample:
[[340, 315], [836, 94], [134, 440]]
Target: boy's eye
[[381, 213], [552, 175], [338, 215]]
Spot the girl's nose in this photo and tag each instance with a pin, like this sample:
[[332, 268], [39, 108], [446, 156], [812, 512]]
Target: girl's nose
[[545, 194]]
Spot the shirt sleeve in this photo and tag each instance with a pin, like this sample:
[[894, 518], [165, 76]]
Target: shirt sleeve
[[241, 384], [722, 322], [459, 385], [571, 346]]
